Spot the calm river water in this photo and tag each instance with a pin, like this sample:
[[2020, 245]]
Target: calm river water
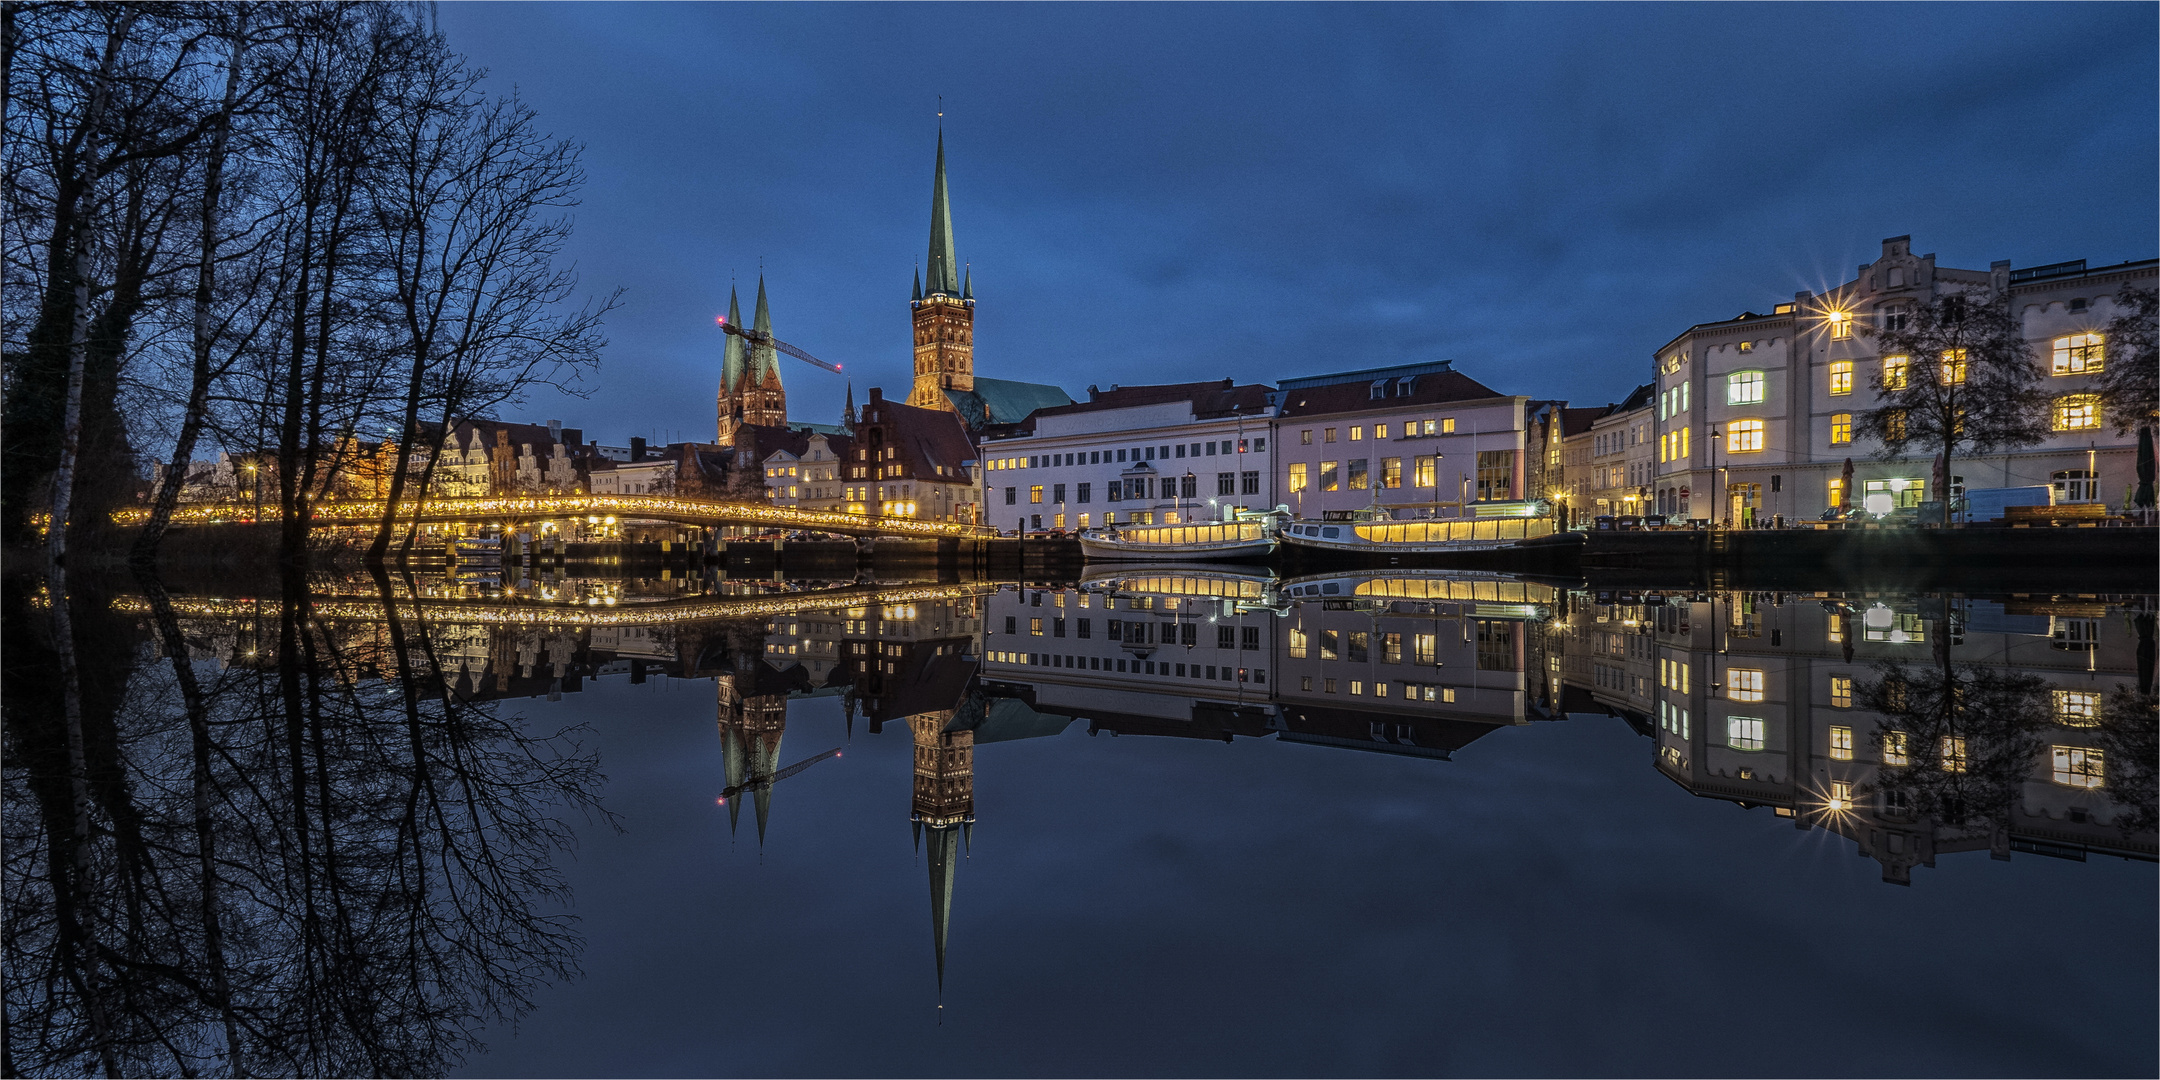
[[1185, 821]]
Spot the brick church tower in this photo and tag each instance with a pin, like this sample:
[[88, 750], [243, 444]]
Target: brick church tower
[[944, 307], [750, 390]]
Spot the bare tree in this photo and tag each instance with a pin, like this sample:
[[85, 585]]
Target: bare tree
[[2130, 381], [469, 203], [1957, 376]]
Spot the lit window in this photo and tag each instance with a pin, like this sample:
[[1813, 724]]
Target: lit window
[[1840, 324], [2079, 767], [1357, 434], [1744, 436], [1840, 429], [1744, 684], [1841, 377], [2077, 412], [1425, 653], [1305, 437], [1953, 753], [1744, 388], [1743, 733], [1298, 478], [1298, 644], [1896, 748], [1894, 426], [1328, 477], [1893, 371], [1841, 690], [1954, 367], [2077, 708], [1841, 744], [1379, 431], [2079, 354], [1841, 794], [1035, 494], [1328, 435], [1447, 426]]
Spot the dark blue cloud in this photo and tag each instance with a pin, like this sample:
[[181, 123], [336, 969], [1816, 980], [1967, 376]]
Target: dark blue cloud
[[1545, 193]]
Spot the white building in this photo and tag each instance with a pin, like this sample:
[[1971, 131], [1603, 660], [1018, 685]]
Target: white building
[[1760, 408], [1132, 455], [808, 477]]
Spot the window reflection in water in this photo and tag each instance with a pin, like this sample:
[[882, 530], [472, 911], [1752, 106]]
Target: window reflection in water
[[298, 805]]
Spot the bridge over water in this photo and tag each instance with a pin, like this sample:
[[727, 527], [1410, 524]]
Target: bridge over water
[[517, 509]]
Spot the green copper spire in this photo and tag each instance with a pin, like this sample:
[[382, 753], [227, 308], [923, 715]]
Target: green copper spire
[[731, 360], [762, 358], [967, 284], [918, 285], [944, 860], [942, 280]]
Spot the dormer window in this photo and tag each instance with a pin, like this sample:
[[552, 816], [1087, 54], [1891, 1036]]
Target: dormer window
[[1379, 389]]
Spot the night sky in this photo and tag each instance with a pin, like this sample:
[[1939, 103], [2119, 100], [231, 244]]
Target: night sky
[[1544, 194]]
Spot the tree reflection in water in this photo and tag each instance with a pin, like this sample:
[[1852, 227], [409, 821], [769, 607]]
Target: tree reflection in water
[[316, 860], [1963, 737]]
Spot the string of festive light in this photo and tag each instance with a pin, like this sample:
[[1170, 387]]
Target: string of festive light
[[550, 616], [540, 507]]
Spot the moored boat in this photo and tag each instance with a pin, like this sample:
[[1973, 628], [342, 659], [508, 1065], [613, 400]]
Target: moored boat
[[1481, 595], [1243, 588], [1496, 525], [1248, 536]]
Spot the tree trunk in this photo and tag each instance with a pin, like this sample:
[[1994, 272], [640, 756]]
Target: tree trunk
[[191, 423]]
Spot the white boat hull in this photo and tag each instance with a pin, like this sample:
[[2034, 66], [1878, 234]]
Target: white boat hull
[[1504, 534], [1103, 550]]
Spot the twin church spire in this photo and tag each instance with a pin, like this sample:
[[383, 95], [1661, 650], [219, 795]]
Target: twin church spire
[[943, 305], [750, 389]]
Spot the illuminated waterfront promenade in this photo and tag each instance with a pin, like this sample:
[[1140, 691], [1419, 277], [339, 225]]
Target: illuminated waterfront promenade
[[514, 613], [534, 508]]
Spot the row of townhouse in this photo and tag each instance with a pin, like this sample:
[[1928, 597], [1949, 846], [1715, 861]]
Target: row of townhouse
[[1761, 702], [1418, 440], [1745, 419]]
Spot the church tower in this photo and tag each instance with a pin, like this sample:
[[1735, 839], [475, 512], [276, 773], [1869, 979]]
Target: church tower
[[750, 389], [944, 309], [944, 805]]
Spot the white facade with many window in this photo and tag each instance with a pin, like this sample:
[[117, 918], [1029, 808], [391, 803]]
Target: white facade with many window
[[1096, 463], [1755, 415]]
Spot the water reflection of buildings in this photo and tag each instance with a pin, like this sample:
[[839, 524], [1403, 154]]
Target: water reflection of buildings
[[1403, 663], [1759, 700], [1745, 697]]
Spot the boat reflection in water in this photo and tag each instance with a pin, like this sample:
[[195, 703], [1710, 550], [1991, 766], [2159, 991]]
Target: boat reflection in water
[[234, 747]]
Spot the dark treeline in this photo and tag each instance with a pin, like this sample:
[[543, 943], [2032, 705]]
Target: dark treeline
[[313, 860], [295, 232]]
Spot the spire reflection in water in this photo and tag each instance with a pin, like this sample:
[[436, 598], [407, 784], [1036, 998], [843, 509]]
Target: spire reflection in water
[[1911, 727]]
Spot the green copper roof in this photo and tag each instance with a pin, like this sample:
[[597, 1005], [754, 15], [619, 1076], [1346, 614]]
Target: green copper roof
[[1003, 401], [943, 264], [731, 360], [763, 358], [918, 285], [944, 861]]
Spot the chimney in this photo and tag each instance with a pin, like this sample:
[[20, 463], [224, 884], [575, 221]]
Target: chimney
[[637, 448]]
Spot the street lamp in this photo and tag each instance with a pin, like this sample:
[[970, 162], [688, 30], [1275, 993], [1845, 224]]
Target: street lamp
[[1717, 475]]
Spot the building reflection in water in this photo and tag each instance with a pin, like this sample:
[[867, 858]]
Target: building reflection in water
[[1912, 726]]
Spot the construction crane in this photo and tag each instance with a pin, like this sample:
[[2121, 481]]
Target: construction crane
[[755, 338], [751, 783]]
